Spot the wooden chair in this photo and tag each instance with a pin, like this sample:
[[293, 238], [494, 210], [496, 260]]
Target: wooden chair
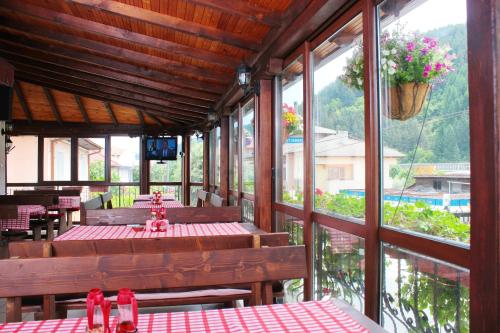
[[202, 197], [32, 199], [216, 201], [8, 212], [107, 200], [76, 275], [91, 204]]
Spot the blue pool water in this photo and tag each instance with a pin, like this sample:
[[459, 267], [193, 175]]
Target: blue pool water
[[412, 199]]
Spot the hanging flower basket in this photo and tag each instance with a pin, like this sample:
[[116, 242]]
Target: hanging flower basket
[[291, 123], [406, 100], [409, 63]]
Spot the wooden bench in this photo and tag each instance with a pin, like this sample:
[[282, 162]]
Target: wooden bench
[[202, 197], [64, 275], [87, 206], [107, 200], [216, 200]]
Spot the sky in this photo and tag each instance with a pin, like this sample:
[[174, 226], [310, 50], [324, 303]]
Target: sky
[[430, 15]]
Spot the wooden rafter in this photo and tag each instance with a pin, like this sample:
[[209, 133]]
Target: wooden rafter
[[22, 101], [111, 113], [244, 9], [107, 50], [83, 25], [81, 107], [171, 22], [157, 120], [53, 105], [140, 116]]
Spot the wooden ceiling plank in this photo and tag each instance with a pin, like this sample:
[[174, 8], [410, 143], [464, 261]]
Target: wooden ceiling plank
[[65, 20], [81, 107], [22, 101], [156, 120], [171, 22], [53, 105], [108, 50], [53, 84], [111, 113], [140, 116], [39, 51], [243, 9], [43, 72]]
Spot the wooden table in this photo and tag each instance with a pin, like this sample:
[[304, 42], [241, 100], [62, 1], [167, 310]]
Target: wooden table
[[304, 317], [66, 207]]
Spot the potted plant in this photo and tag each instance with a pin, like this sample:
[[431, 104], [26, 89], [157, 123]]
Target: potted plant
[[291, 122], [409, 64]]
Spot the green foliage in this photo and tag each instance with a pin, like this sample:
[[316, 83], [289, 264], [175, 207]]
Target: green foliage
[[341, 204], [96, 171]]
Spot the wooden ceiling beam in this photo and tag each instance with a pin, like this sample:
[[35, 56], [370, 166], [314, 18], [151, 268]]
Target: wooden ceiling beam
[[148, 73], [140, 116], [81, 107], [53, 105], [13, 8], [107, 50], [43, 72], [243, 9], [171, 22], [22, 101], [27, 49], [111, 113], [65, 87]]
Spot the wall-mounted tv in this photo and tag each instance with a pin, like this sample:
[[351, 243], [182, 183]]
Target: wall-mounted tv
[[161, 148]]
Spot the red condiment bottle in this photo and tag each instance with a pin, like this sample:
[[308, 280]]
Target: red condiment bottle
[[127, 311]]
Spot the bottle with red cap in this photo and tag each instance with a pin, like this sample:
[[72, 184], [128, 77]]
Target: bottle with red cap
[[127, 311], [98, 310]]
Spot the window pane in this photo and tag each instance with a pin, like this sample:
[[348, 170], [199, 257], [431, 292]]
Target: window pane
[[425, 118], [167, 171], [193, 200], [423, 295], [91, 159], [56, 159], [290, 137], [294, 289], [234, 139], [217, 156], [247, 210], [338, 110], [248, 147], [22, 161], [211, 158], [339, 267], [196, 159], [125, 159]]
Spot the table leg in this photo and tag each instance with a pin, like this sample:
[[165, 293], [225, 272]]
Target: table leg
[[37, 233], [63, 226], [50, 229], [70, 219]]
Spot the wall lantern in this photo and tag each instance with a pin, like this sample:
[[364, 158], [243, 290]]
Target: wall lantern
[[8, 144], [244, 76]]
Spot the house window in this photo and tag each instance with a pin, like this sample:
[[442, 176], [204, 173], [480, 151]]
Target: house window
[[339, 173], [437, 184], [91, 159], [56, 159]]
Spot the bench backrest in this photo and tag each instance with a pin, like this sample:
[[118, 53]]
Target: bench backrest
[[204, 214], [62, 193], [202, 197], [8, 212], [107, 200], [117, 216], [29, 199], [216, 200]]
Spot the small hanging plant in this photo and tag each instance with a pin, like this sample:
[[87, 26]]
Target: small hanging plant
[[409, 63], [292, 121]]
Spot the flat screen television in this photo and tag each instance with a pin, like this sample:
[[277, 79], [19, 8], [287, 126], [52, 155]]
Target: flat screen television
[[161, 148]]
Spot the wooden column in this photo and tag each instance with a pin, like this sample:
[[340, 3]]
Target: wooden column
[[144, 167], [224, 159], [483, 35], [186, 169], [206, 160], [372, 169], [3, 162], [263, 156], [308, 172]]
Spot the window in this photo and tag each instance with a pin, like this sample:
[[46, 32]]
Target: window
[[234, 139], [91, 159], [22, 161], [167, 171], [211, 165], [125, 159], [217, 156], [289, 137], [424, 116], [57, 159], [196, 159], [338, 113], [248, 147]]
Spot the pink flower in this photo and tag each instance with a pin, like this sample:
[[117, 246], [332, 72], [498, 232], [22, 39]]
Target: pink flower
[[409, 58], [424, 51], [410, 46], [428, 68], [427, 40], [318, 191], [425, 74], [326, 290], [439, 66]]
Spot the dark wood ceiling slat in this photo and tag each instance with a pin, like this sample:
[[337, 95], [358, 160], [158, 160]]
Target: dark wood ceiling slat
[[171, 22], [107, 50], [53, 105], [40, 51], [111, 113], [15, 7], [22, 101], [140, 116], [81, 107]]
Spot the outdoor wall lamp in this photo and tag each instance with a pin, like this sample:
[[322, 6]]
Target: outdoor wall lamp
[[244, 76], [8, 142]]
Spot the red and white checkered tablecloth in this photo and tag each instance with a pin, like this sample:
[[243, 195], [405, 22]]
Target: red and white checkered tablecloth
[[304, 317], [174, 230], [24, 213], [166, 204], [72, 203]]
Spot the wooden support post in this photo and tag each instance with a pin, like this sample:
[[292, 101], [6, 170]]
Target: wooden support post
[[186, 165], [224, 159], [13, 309], [256, 298], [206, 160], [144, 166], [263, 157]]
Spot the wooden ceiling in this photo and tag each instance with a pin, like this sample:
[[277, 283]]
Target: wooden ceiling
[[133, 61]]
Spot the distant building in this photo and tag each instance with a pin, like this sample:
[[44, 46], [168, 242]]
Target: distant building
[[451, 183]]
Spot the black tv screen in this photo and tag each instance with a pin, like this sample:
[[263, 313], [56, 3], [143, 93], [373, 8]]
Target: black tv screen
[[161, 148]]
